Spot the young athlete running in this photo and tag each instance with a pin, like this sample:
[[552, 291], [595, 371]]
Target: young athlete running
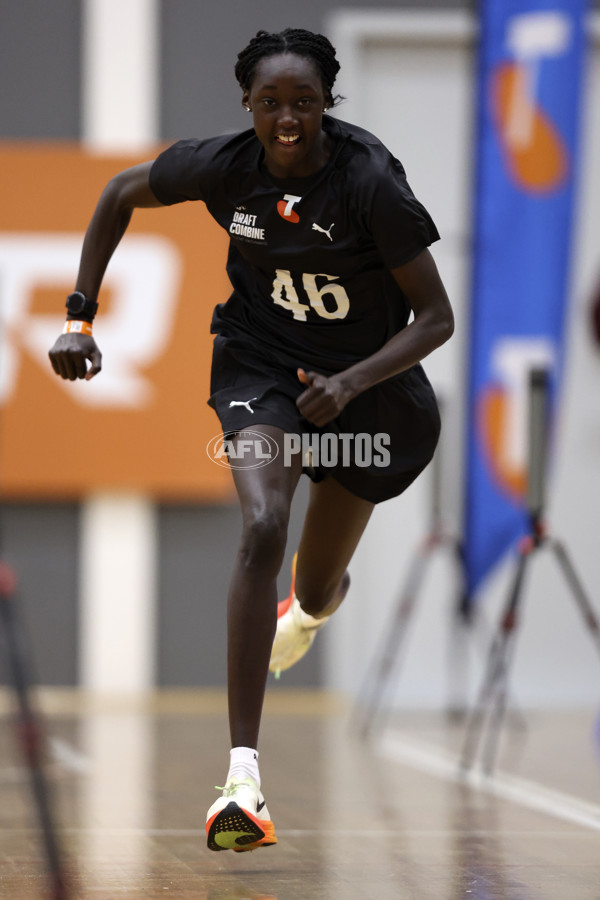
[[328, 257]]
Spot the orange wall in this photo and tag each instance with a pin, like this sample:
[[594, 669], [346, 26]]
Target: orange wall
[[56, 440]]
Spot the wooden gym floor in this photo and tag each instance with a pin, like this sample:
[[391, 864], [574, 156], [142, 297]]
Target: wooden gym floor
[[389, 819]]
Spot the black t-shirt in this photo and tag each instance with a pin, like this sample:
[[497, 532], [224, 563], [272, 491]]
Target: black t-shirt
[[309, 258]]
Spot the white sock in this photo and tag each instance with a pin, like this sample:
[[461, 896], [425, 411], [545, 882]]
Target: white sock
[[243, 763]]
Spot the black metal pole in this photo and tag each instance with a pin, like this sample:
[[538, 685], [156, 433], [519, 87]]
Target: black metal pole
[[30, 734]]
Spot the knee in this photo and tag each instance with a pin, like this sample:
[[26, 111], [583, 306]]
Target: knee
[[317, 597], [264, 538]]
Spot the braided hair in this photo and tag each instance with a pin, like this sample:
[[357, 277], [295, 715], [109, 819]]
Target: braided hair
[[308, 44]]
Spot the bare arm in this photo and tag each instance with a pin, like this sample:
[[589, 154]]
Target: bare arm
[[125, 192], [432, 325]]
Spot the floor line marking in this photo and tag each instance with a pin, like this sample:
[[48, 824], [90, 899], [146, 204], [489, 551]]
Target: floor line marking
[[442, 764], [63, 757], [68, 756]]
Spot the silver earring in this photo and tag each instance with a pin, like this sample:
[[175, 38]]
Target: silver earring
[[247, 108]]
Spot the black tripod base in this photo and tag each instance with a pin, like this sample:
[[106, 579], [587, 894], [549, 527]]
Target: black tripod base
[[488, 714], [368, 713]]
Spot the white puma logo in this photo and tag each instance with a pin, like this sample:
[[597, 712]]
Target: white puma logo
[[323, 230], [245, 403]]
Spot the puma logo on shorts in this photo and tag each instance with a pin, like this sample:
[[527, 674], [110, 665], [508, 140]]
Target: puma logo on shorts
[[245, 403]]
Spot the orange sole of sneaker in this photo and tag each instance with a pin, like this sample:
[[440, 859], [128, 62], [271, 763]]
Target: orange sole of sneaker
[[268, 841], [284, 605]]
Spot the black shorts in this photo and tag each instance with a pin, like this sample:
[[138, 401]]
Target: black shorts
[[393, 427]]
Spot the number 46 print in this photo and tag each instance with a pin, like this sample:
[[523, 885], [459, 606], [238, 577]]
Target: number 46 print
[[284, 294]]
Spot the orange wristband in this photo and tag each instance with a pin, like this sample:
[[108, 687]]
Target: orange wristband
[[78, 327]]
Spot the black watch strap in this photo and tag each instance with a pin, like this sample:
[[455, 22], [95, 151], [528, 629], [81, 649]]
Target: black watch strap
[[81, 307]]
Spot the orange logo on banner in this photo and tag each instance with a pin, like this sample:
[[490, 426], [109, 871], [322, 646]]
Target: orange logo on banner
[[503, 408], [142, 424], [534, 150], [492, 425]]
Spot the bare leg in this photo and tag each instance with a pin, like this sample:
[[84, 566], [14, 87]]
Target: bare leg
[[265, 496], [334, 523]]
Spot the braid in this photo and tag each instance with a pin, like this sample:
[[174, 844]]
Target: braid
[[308, 44]]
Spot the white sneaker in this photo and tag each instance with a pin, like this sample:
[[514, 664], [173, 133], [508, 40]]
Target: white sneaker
[[296, 631], [239, 820]]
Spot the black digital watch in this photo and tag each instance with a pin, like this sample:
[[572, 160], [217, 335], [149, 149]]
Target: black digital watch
[[81, 307]]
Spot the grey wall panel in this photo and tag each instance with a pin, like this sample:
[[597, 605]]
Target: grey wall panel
[[200, 42], [193, 549], [40, 69], [197, 548], [40, 542]]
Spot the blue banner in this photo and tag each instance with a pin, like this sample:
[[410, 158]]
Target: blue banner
[[530, 75]]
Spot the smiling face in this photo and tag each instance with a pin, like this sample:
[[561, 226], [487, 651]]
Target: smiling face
[[287, 98]]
